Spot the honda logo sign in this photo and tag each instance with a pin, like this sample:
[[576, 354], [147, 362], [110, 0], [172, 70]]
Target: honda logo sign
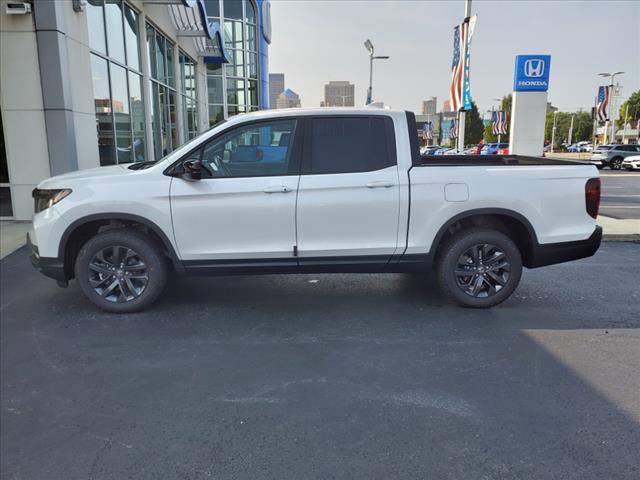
[[532, 73], [534, 67]]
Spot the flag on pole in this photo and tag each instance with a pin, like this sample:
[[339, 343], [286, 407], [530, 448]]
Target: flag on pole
[[499, 121], [453, 129], [427, 131], [460, 90], [603, 103]]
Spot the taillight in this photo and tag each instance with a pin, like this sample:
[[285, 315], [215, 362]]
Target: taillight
[[592, 196]]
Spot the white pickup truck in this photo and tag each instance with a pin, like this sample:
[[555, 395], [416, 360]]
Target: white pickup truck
[[322, 190]]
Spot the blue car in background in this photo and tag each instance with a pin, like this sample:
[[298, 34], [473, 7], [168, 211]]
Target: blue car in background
[[492, 148]]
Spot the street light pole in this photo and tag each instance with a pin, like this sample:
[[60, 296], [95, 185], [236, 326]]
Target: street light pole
[[462, 114], [369, 46], [553, 131]]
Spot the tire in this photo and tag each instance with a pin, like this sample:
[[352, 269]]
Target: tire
[[138, 278], [599, 167], [616, 163], [456, 249]]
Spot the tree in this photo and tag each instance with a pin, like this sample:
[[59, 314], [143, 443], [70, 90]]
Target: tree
[[632, 105], [505, 104], [582, 127], [473, 126]]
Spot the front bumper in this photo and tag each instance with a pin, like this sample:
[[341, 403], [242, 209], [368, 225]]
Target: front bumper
[[50, 267], [552, 253]]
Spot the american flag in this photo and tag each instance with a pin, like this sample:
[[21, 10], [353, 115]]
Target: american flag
[[460, 39], [427, 132], [499, 120], [453, 130], [603, 103]]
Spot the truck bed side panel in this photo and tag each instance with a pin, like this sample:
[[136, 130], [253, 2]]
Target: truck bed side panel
[[550, 197]]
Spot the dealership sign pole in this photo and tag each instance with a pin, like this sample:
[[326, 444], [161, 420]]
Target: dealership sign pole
[[529, 105]]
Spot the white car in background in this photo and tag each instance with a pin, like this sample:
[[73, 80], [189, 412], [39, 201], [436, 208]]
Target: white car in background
[[631, 163]]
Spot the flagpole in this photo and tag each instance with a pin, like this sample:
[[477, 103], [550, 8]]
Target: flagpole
[[462, 113]]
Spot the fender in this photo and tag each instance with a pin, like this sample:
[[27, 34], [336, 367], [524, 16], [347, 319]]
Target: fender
[[166, 243], [484, 211]]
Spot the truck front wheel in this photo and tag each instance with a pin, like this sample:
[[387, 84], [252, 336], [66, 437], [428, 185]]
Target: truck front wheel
[[121, 270], [479, 267]]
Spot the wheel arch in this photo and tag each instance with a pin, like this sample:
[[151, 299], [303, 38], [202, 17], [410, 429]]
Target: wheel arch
[[78, 232], [509, 222]]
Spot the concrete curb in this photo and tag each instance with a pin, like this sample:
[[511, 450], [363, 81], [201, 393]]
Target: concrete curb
[[615, 237]]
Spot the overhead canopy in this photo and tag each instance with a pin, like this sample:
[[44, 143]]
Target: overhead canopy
[[190, 20]]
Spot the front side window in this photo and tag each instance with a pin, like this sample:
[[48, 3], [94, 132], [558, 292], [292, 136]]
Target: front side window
[[116, 76], [351, 144], [258, 150]]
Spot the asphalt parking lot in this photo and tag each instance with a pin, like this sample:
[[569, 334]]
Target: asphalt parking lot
[[317, 377], [620, 194]]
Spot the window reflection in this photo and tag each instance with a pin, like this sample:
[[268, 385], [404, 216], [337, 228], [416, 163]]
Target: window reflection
[[115, 32], [95, 23], [131, 36], [102, 103]]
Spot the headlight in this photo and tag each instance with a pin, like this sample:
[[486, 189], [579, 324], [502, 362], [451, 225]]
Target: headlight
[[44, 199]]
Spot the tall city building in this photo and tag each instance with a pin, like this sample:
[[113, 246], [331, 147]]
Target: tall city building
[[430, 106], [288, 99], [276, 87], [446, 106], [339, 94]]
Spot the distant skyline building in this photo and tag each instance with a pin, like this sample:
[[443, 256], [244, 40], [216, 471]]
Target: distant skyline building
[[288, 99], [446, 106], [339, 94], [276, 87], [429, 107]]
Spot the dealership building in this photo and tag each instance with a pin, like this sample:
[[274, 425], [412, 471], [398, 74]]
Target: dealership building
[[90, 83]]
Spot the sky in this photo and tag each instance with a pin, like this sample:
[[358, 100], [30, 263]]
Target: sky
[[314, 42]]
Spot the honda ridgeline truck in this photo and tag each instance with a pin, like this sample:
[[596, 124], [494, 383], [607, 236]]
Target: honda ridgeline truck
[[321, 190]]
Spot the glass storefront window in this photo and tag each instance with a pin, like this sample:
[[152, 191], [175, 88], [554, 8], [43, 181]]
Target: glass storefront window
[[131, 36], [253, 93], [162, 70], [235, 67], [137, 116], [95, 23], [216, 114], [188, 94], [102, 104], [233, 34], [250, 11], [233, 9], [235, 92], [6, 206], [115, 32], [115, 69]]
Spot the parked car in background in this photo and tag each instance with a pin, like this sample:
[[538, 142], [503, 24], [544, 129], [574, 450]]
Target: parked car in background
[[254, 195], [612, 156], [631, 163], [492, 148], [442, 151], [429, 149]]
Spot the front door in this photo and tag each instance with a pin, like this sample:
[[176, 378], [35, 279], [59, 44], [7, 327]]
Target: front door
[[348, 197], [243, 208]]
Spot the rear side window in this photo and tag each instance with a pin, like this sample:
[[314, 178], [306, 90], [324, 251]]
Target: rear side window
[[351, 144]]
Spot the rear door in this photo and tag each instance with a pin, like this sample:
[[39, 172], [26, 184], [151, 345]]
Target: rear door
[[348, 195]]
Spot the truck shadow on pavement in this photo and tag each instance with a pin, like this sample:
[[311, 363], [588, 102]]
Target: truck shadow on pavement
[[322, 376]]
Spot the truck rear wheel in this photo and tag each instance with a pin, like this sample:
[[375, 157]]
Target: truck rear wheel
[[479, 267], [121, 270]]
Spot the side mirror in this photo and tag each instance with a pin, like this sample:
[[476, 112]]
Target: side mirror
[[191, 170]]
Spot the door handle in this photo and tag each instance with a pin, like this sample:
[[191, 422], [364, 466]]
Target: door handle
[[277, 189], [380, 184]]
